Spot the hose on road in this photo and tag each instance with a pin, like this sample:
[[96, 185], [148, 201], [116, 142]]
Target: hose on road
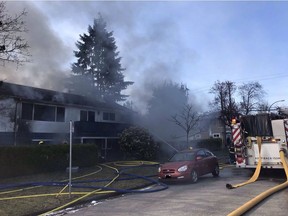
[[250, 204]]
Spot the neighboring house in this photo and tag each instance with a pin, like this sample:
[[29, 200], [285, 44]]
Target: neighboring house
[[209, 126], [30, 115]]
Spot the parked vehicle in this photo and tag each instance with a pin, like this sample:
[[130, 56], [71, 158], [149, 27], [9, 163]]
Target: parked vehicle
[[189, 165]]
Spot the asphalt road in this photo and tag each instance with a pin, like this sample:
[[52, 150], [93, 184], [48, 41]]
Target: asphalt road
[[208, 196]]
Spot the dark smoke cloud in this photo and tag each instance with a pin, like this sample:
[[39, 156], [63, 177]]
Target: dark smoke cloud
[[152, 52], [49, 53]]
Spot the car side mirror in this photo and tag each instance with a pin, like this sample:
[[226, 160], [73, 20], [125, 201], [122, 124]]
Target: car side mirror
[[199, 158]]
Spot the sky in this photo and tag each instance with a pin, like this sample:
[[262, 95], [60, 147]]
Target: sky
[[191, 42]]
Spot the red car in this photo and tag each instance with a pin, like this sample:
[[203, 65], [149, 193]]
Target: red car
[[189, 165]]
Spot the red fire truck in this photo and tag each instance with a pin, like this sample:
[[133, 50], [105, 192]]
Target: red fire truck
[[256, 136]]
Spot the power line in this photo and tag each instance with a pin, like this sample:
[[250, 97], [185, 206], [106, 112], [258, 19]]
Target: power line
[[269, 77]]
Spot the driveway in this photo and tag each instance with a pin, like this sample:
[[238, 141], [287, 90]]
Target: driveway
[[208, 196]]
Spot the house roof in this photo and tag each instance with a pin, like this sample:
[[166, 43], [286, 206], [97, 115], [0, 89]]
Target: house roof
[[52, 97]]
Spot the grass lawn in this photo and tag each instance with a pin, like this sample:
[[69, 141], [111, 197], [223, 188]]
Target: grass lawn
[[34, 199]]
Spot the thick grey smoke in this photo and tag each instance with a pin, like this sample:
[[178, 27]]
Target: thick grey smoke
[[151, 52], [49, 54]]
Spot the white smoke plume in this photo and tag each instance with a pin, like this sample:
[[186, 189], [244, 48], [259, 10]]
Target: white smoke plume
[[147, 48]]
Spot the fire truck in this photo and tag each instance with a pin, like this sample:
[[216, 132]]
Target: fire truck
[[259, 136]]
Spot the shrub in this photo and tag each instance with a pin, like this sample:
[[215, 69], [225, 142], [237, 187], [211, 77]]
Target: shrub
[[137, 143]]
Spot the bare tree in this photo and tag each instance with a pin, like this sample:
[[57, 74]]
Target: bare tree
[[224, 100], [225, 103], [13, 46], [251, 95], [263, 107], [187, 120]]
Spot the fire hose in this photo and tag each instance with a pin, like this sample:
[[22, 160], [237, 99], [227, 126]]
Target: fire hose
[[250, 204], [96, 189], [256, 173]]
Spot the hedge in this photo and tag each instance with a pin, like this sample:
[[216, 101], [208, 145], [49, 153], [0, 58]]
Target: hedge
[[26, 160]]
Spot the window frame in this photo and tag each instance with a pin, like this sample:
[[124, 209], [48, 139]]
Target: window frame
[[216, 135], [36, 111], [44, 113], [91, 116], [83, 115], [109, 116], [31, 111], [60, 117]]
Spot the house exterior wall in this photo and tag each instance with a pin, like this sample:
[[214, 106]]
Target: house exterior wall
[[211, 127], [46, 130], [216, 128]]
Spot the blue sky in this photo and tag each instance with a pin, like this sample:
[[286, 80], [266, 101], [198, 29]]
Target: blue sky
[[190, 42]]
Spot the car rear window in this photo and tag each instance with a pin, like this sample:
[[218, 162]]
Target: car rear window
[[183, 156]]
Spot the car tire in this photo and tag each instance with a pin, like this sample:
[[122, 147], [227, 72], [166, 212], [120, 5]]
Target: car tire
[[194, 176], [216, 171]]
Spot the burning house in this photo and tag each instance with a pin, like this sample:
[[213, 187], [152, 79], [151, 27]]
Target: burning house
[[30, 115]]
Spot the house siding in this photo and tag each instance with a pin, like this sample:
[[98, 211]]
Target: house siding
[[15, 130]]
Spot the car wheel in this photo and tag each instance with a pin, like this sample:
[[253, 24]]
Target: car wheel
[[216, 171], [194, 176]]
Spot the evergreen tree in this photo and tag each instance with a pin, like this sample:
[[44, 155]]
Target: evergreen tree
[[98, 61]]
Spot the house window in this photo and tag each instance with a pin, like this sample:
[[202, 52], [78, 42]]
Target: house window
[[60, 115], [109, 116], [91, 116], [27, 111], [87, 116], [44, 113], [216, 135], [83, 115]]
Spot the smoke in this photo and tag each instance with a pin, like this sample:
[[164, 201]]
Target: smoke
[[48, 52], [151, 49]]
